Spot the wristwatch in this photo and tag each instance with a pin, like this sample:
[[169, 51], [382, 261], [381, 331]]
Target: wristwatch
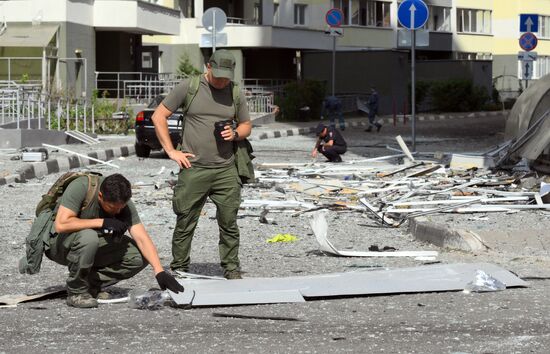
[[235, 135]]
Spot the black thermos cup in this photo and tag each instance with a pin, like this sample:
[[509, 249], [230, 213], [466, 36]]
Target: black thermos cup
[[219, 127]]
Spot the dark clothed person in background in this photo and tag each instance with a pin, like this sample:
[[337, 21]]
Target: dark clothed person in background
[[373, 111], [332, 108], [330, 143], [206, 160]]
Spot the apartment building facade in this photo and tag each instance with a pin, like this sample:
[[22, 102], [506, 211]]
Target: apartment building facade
[[273, 40], [64, 43]]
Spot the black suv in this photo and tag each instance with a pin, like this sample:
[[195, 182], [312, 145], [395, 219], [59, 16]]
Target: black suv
[[146, 139]]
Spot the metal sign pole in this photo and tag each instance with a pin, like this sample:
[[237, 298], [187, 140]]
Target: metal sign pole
[[213, 32], [333, 63], [413, 88]]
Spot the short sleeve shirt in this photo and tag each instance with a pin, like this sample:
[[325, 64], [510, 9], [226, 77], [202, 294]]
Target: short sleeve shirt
[[75, 194], [209, 106], [333, 134]]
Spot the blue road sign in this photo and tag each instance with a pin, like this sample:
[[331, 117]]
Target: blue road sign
[[528, 23], [412, 14], [528, 41], [334, 17]]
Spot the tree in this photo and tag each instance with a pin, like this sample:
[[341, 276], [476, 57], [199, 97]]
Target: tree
[[185, 67]]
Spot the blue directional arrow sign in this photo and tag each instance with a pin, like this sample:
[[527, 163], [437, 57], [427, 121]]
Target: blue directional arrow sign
[[528, 23], [412, 14]]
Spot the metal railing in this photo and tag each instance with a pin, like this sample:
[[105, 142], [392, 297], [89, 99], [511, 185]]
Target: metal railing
[[145, 91], [113, 82], [260, 103], [26, 109], [275, 86]]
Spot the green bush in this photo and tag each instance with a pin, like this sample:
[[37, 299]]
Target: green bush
[[308, 93], [422, 91], [457, 96]]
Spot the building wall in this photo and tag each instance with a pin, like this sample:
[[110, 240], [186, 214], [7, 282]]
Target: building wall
[[73, 37], [388, 71], [171, 54]]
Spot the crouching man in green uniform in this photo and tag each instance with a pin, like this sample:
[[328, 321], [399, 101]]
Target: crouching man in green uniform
[[206, 159], [91, 242]]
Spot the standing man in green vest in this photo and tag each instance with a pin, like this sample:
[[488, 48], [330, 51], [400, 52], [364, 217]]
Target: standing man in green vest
[[206, 159], [91, 241]]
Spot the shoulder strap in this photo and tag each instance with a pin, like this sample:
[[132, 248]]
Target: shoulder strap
[[93, 186], [192, 89], [236, 94], [194, 82]]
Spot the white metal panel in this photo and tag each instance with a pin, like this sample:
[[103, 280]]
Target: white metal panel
[[441, 277]]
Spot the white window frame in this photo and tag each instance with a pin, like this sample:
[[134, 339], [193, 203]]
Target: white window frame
[[473, 21], [344, 6], [446, 23], [373, 15], [300, 14], [544, 26], [370, 10], [257, 13], [540, 67]]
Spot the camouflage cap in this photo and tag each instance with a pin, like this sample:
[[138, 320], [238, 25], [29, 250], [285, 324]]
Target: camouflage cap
[[223, 64]]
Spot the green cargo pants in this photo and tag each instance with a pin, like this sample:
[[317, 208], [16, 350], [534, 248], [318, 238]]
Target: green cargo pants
[[94, 260], [195, 184]]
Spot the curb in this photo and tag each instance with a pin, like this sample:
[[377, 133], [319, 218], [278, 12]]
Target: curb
[[385, 120], [40, 169], [444, 237]]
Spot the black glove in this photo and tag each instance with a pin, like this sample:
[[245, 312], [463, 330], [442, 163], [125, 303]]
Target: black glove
[[114, 226], [167, 281]]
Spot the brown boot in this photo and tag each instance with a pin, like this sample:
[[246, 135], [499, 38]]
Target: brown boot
[[232, 274], [82, 301]]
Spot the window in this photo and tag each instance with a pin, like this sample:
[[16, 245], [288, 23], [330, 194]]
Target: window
[[186, 7], [147, 60], [359, 12], [378, 13], [473, 21], [257, 15], [300, 14], [473, 56], [544, 27], [344, 6], [275, 13], [542, 66], [365, 12], [439, 20]]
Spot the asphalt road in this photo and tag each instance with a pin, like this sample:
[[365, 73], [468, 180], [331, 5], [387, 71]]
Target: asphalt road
[[510, 321]]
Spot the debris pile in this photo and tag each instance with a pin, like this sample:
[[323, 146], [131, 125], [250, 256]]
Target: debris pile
[[393, 189]]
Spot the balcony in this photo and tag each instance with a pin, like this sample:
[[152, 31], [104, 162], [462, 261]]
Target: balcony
[[136, 17]]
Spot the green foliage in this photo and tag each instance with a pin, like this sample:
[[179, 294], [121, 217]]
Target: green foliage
[[308, 93], [454, 95], [103, 115], [422, 91], [24, 78], [186, 68]]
